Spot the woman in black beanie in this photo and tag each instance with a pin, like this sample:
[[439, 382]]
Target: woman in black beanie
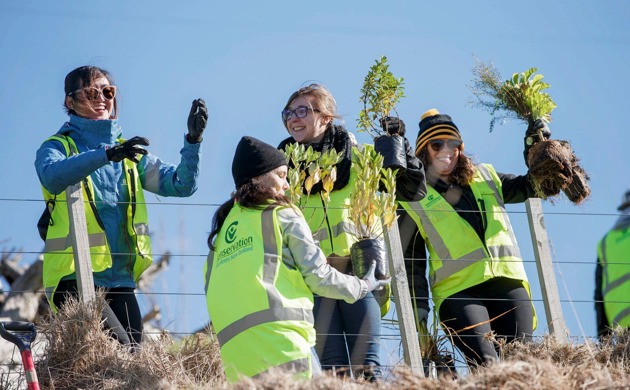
[[478, 281], [262, 270]]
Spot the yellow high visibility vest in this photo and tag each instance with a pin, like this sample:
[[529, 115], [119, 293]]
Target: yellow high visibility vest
[[458, 258], [261, 310], [58, 252], [332, 228], [613, 251]]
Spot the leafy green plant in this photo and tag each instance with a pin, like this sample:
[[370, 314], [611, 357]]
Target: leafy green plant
[[521, 97], [553, 166], [308, 167], [367, 204], [380, 93]]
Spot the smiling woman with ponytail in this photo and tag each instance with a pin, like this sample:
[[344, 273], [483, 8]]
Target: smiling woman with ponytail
[[113, 172]]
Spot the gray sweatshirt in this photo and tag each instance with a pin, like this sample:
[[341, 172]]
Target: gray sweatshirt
[[299, 251]]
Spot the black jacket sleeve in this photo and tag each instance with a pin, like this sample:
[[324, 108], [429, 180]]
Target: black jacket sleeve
[[516, 189], [410, 183], [600, 315], [415, 262]]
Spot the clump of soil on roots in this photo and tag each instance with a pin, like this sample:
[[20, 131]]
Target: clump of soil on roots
[[554, 167]]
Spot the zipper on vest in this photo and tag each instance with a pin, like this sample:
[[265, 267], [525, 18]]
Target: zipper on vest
[[133, 194], [132, 179], [484, 222], [93, 204]]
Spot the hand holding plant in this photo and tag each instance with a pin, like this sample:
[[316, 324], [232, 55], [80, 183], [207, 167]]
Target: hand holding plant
[[553, 167], [380, 93]]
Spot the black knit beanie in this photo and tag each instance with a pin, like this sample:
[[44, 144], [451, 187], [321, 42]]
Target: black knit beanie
[[254, 158], [434, 125]]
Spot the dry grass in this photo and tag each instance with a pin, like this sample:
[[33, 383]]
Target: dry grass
[[79, 355]]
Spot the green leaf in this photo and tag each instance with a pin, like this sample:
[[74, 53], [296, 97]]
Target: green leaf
[[519, 97]]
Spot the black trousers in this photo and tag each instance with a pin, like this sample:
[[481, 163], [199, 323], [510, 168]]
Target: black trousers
[[501, 305], [121, 316]]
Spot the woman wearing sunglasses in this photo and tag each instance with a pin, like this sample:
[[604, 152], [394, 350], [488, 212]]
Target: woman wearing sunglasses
[[90, 149], [478, 281], [308, 117]]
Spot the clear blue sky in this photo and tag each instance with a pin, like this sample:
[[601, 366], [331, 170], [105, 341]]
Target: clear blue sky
[[246, 57]]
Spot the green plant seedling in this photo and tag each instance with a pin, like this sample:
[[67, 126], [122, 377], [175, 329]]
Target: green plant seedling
[[380, 93]]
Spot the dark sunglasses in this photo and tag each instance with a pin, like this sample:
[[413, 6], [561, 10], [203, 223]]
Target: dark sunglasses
[[93, 93], [299, 112], [438, 144]]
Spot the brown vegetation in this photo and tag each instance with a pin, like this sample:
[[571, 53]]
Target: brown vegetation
[[79, 355]]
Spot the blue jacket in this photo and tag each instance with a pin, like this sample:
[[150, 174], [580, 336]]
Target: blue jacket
[[56, 172]]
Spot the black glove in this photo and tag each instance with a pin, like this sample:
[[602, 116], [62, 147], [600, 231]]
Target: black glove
[[128, 149], [197, 120], [536, 131], [390, 146], [393, 125], [372, 282]]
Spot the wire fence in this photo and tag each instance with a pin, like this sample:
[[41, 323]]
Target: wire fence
[[162, 292]]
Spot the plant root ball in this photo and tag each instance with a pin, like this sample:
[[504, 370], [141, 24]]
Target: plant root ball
[[553, 167]]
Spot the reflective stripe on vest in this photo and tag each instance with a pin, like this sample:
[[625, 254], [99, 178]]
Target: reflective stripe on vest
[[252, 295], [58, 250], [142, 229], [458, 257], [337, 230], [298, 365], [61, 243], [613, 252]]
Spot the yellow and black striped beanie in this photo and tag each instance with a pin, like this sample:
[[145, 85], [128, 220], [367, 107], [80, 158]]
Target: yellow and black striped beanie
[[434, 125]]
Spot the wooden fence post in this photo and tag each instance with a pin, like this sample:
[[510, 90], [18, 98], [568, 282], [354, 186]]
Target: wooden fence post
[[404, 308], [80, 243], [546, 274]]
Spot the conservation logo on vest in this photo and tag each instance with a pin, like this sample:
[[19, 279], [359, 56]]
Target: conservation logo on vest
[[230, 233], [431, 200], [238, 245]]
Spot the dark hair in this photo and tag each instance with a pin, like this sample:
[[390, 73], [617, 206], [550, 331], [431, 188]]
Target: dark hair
[[462, 173], [251, 195], [84, 76]]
